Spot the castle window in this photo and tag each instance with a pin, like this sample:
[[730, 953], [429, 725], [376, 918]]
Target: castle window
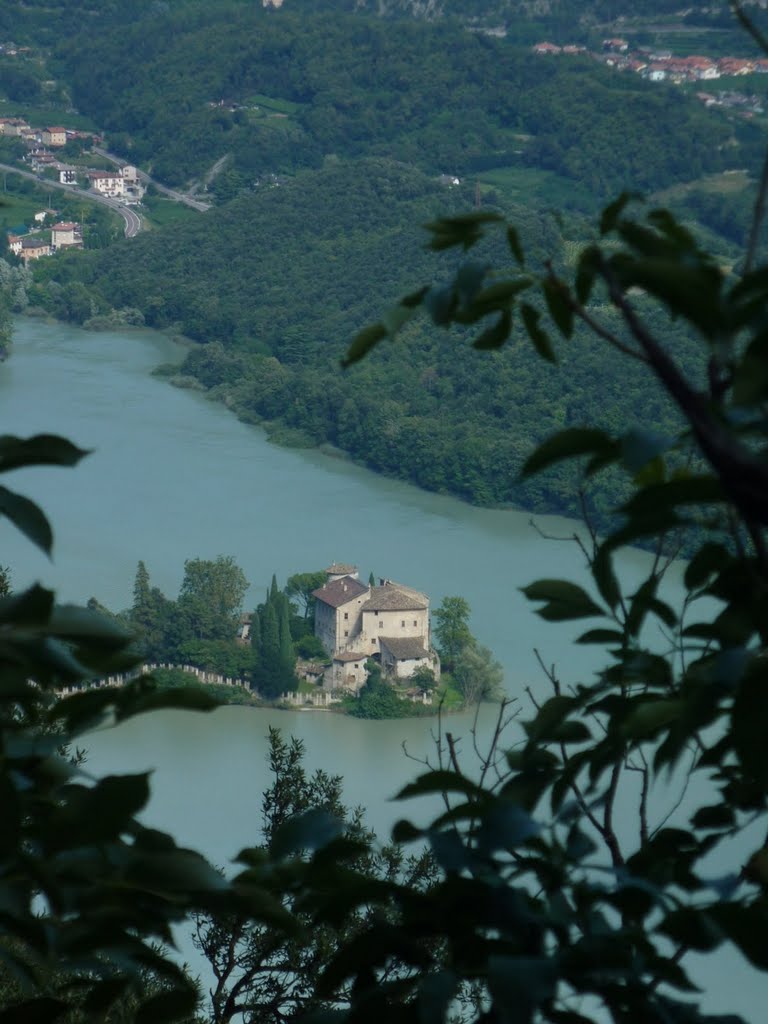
[[346, 615], [346, 632], [414, 622], [402, 623]]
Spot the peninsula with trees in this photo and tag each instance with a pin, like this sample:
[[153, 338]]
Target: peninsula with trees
[[325, 639]]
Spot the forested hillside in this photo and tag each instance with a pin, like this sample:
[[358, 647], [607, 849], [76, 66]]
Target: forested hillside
[[278, 91], [277, 284], [331, 130]]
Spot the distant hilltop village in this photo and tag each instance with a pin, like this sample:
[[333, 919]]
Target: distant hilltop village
[[357, 621]]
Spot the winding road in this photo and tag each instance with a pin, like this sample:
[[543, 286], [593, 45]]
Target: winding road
[[133, 221], [179, 197]]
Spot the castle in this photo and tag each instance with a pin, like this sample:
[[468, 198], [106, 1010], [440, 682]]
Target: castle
[[356, 621]]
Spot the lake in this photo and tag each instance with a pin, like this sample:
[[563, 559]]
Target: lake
[[173, 476]]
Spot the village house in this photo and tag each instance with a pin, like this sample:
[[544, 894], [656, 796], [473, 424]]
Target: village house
[[14, 244], [66, 235], [33, 247], [108, 183], [12, 126], [355, 621], [68, 175], [123, 184], [54, 136], [40, 159]]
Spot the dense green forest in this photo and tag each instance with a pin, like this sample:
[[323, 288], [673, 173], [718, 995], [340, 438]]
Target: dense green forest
[[276, 284], [277, 91], [331, 140]]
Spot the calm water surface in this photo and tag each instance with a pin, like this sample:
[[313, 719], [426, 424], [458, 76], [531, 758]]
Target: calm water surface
[[172, 476]]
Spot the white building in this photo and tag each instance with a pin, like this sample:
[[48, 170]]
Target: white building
[[108, 183]]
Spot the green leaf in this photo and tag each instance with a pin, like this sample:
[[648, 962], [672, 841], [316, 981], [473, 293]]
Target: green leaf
[[497, 296], [104, 994], [557, 299], [750, 724], [440, 781], [693, 929], [40, 450], [549, 716], [519, 985], [640, 604], [568, 444], [465, 229], [538, 336], [513, 241], [27, 517], [449, 851], [562, 600], [586, 272], [571, 732], [496, 335], [30, 608], [363, 342], [404, 831], [639, 447], [691, 490], [746, 927], [469, 281], [71, 622], [610, 215], [601, 636], [440, 303], [716, 816], [436, 993], [308, 831], [650, 716], [34, 1011], [605, 577], [133, 701], [176, 1004], [506, 826], [711, 558], [673, 229], [99, 813], [395, 317]]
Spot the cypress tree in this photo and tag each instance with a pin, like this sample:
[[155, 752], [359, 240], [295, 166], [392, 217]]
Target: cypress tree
[[256, 652], [270, 670], [287, 668]]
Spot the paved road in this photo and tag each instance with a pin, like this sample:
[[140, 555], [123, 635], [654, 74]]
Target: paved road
[[133, 223], [179, 197]]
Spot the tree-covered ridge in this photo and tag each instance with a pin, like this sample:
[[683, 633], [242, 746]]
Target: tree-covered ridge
[[277, 284], [431, 94]]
